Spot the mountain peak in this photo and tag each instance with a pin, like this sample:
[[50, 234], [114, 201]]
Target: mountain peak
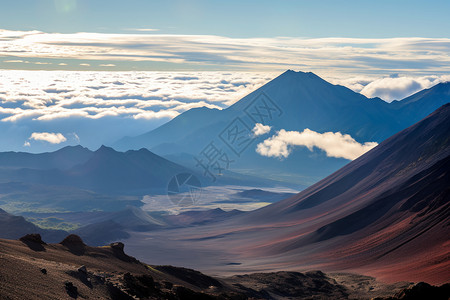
[[298, 91], [290, 80], [299, 74], [105, 149], [73, 149]]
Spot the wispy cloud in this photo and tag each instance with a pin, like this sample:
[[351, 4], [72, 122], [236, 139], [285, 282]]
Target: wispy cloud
[[261, 129], [50, 137], [335, 144], [334, 54], [13, 61], [142, 29]]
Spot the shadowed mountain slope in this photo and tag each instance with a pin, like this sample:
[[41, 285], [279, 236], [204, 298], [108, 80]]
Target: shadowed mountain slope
[[14, 227], [385, 214]]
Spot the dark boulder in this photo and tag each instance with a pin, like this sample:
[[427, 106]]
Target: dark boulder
[[33, 241], [34, 238]]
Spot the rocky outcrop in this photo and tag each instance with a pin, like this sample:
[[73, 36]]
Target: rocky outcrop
[[33, 238], [33, 241], [75, 244]]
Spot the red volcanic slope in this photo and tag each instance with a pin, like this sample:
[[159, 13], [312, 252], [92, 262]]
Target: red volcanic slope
[[384, 214]]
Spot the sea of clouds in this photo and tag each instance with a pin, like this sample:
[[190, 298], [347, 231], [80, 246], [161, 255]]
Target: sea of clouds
[[45, 110]]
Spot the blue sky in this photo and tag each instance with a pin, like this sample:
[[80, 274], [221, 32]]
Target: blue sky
[[255, 18]]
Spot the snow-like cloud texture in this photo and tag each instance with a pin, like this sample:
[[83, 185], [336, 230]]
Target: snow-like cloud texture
[[335, 144], [50, 137]]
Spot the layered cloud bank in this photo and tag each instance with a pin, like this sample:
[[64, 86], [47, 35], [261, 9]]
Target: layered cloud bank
[[140, 95], [206, 52], [102, 107], [43, 95], [335, 144]]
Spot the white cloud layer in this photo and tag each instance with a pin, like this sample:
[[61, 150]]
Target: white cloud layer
[[394, 87], [102, 107], [335, 144], [50, 137], [345, 55], [43, 95], [261, 129]]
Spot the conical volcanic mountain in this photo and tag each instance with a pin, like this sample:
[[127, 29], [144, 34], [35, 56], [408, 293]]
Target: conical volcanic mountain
[[293, 101]]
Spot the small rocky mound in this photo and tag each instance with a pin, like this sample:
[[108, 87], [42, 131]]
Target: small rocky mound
[[118, 246], [82, 270], [33, 238], [71, 290], [75, 244], [118, 250], [72, 240], [33, 241]]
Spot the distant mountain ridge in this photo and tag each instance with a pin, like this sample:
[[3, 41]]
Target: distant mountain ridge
[[64, 158], [104, 171], [304, 101]]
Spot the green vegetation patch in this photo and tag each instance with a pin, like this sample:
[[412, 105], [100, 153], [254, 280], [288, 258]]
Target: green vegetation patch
[[53, 223]]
